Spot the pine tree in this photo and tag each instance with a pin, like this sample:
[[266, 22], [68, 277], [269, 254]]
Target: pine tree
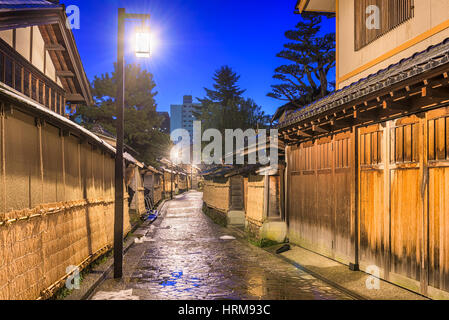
[[312, 56], [224, 107], [142, 123]]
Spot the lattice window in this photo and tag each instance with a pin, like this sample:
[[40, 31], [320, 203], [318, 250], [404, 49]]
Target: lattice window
[[405, 144], [324, 157], [392, 13], [26, 82], [8, 71], [371, 148], [438, 139], [342, 153], [308, 156], [18, 78]]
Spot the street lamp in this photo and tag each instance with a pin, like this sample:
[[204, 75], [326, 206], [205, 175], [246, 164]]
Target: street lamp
[[142, 45], [143, 50]]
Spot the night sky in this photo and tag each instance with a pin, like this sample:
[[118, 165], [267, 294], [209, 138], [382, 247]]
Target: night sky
[[193, 39]]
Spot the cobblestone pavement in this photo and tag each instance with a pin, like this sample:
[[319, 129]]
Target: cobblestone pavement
[[183, 257]]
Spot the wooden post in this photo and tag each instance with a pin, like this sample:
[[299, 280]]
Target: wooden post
[[3, 159], [424, 174], [282, 191], [266, 196], [387, 142], [355, 196]]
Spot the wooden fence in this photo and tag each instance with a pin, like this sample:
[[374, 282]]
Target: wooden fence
[[378, 197], [56, 208], [216, 194]]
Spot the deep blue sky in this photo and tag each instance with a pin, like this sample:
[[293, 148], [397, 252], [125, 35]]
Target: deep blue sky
[[195, 37]]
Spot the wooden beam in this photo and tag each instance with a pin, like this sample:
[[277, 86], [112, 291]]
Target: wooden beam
[[54, 47], [65, 74], [441, 93], [342, 123], [364, 116], [74, 97], [301, 133], [395, 105], [319, 129], [287, 137]]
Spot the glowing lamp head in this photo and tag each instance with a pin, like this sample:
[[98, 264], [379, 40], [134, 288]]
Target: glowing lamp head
[[174, 154], [143, 44]]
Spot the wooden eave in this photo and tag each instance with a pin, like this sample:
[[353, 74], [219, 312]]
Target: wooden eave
[[413, 85], [410, 97], [11, 100], [61, 46]]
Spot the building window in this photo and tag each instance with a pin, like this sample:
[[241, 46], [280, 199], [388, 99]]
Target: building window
[[405, 144], [438, 139], [370, 148], [53, 100], [18, 78], [33, 88], [58, 104], [374, 18], [41, 92], [26, 82], [8, 71], [47, 96]]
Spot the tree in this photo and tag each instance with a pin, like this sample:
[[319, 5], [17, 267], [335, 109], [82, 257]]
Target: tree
[[142, 123], [311, 56], [224, 107]]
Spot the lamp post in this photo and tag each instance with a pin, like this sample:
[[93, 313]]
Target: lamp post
[[142, 50], [172, 177], [174, 160]]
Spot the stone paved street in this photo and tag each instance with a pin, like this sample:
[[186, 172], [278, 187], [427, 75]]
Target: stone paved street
[[183, 257]]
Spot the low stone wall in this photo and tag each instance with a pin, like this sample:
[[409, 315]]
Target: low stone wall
[[217, 216], [216, 194]]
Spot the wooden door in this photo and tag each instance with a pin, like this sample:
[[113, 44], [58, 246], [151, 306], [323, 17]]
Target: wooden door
[[319, 195], [237, 201], [438, 203], [373, 210], [406, 198], [391, 199]]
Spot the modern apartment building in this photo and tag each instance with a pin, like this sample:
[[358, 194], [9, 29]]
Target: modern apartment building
[[181, 116]]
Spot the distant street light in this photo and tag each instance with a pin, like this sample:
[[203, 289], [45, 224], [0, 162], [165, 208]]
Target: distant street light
[[174, 157], [142, 50]]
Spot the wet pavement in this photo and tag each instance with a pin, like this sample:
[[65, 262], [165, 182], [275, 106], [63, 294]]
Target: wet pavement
[[183, 257]]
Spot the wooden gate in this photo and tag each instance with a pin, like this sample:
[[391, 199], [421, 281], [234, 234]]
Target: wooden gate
[[403, 192], [319, 202]]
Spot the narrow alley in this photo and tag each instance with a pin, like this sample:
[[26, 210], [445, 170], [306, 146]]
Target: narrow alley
[[184, 255]]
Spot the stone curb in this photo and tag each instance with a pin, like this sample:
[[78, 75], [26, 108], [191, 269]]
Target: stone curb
[[96, 276]]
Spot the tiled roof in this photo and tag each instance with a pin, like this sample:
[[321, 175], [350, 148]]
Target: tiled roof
[[419, 63], [27, 4]]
